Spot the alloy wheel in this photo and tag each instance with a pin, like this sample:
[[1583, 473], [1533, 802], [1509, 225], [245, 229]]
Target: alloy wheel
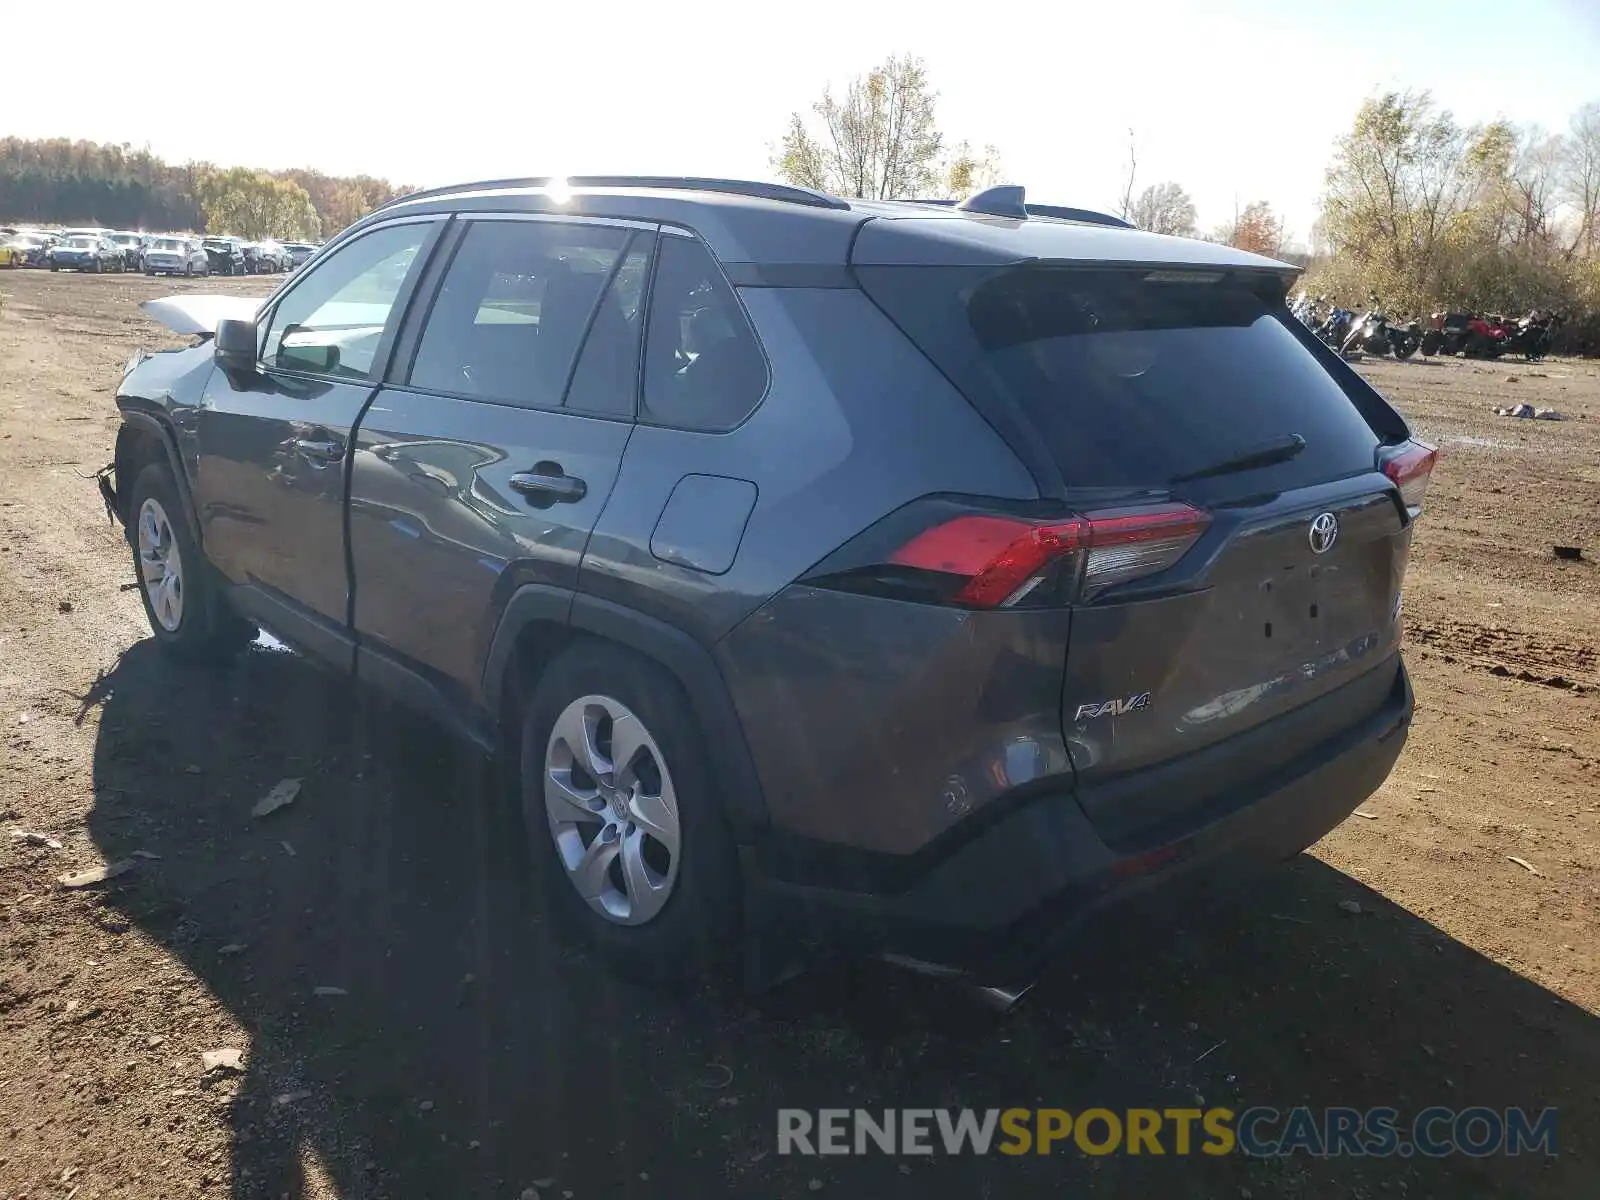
[[612, 810], [160, 565]]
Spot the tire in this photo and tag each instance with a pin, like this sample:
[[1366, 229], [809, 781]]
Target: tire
[[1405, 348], [685, 929], [1431, 341], [186, 614]]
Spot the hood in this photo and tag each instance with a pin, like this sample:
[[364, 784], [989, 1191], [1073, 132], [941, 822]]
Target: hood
[[200, 314]]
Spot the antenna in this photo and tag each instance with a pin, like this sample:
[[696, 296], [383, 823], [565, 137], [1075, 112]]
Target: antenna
[[1007, 200]]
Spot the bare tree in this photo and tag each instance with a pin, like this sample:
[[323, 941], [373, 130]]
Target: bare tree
[[1125, 208], [878, 140], [1163, 208], [1580, 179]]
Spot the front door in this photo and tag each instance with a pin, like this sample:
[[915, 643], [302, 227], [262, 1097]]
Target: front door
[[274, 443], [485, 464]]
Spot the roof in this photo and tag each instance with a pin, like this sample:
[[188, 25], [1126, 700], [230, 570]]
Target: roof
[[765, 224]]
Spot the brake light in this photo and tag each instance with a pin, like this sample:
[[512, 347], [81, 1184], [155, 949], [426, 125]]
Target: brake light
[[1004, 560], [1410, 466]]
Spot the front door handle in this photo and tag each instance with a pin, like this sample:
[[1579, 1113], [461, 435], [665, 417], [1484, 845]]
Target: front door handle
[[320, 451], [548, 484]]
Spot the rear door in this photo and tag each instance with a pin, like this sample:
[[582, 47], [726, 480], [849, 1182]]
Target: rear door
[[1186, 387], [274, 444], [485, 461]]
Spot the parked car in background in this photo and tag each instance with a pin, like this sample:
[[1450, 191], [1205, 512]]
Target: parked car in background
[[176, 256], [628, 476], [272, 256], [12, 253], [226, 255], [298, 252], [33, 248], [86, 252], [132, 247]]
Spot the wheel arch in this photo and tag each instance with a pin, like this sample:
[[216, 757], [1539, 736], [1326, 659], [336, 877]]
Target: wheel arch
[[142, 440], [539, 621]]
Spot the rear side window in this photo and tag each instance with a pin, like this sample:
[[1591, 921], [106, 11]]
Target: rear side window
[[1134, 379], [512, 309], [703, 368]]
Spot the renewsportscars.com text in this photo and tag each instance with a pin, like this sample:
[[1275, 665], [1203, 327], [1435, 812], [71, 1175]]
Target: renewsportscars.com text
[[1260, 1132]]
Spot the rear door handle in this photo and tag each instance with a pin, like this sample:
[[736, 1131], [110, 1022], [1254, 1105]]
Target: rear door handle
[[320, 451], [549, 485]]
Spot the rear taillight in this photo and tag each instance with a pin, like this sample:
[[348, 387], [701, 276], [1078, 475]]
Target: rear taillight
[[985, 560], [1409, 466]]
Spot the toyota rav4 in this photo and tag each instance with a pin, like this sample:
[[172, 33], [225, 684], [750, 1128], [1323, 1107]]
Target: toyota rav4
[[906, 577]]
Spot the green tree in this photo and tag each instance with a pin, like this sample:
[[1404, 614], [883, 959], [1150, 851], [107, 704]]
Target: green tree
[[255, 204], [880, 139]]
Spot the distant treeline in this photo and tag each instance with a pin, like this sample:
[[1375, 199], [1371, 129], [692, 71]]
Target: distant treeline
[[58, 181]]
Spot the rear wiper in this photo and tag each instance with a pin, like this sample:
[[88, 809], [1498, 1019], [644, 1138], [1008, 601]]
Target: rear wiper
[[1276, 451]]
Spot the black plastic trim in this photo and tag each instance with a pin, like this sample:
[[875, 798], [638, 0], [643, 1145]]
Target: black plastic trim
[[789, 275], [697, 671], [530, 603], [150, 423], [690, 663], [295, 625], [434, 699]]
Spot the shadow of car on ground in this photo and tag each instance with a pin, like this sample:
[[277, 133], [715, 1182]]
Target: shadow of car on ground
[[473, 1052]]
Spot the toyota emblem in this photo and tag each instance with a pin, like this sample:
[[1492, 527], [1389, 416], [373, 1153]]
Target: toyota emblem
[[1323, 533]]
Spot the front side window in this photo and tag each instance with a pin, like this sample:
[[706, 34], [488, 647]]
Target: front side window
[[513, 307], [333, 322], [703, 367]]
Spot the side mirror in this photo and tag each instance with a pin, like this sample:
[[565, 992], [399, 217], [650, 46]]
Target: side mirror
[[319, 360], [235, 345]]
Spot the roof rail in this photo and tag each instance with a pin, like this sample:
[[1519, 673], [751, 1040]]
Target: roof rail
[[1086, 215], [731, 187]]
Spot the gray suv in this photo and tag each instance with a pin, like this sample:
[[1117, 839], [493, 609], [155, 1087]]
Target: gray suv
[[907, 578]]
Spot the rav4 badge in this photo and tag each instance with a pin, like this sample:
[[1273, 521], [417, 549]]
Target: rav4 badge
[[1111, 708]]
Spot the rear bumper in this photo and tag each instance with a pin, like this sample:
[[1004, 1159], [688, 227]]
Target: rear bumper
[[994, 906]]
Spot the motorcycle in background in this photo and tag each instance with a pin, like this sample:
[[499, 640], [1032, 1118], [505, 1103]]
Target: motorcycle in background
[[1466, 333], [1305, 310], [1336, 327], [1532, 335], [1372, 333]]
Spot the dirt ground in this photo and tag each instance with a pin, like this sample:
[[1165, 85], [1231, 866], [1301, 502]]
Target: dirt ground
[[469, 1052]]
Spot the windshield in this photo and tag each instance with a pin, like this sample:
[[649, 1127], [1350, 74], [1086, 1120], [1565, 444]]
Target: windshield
[[167, 244], [81, 243]]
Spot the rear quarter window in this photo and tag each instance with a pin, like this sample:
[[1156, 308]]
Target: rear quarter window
[[1133, 378]]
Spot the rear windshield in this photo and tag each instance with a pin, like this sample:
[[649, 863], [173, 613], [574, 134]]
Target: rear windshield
[[1134, 379]]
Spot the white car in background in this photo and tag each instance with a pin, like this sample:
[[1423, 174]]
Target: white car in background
[[176, 256]]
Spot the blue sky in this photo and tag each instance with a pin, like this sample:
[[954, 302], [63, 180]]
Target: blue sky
[[1235, 99]]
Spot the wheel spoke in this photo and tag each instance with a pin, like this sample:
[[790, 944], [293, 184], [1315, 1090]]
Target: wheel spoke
[[577, 728], [654, 815], [646, 891], [628, 737], [565, 800], [590, 875]]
